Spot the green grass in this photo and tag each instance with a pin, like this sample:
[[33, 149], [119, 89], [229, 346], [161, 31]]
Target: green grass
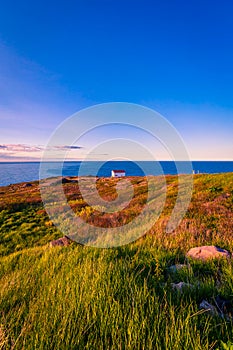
[[86, 298]]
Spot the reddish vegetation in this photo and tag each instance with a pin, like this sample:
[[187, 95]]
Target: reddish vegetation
[[208, 219]]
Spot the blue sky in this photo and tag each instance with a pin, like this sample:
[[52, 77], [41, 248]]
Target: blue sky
[[57, 57]]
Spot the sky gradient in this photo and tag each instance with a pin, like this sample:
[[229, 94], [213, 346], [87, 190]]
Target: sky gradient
[[59, 57]]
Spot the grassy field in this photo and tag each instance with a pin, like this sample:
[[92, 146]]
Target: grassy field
[[79, 297]]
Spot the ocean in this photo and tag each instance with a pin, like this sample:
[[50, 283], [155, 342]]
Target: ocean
[[16, 172]]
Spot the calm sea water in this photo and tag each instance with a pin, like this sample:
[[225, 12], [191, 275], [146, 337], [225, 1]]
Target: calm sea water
[[19, 172]]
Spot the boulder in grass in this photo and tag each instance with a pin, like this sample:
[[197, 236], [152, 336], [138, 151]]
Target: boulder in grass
[[177, 267], [208, 252], [210, 309], [181, 286], [222, 307], [61, 242]]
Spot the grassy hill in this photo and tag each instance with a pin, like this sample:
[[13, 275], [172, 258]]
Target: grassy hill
[[78, 297]]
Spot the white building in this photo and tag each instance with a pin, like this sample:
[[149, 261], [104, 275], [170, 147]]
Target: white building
[[118, 173]]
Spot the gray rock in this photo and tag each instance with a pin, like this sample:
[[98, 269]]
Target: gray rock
[[177, 267], [208, 252], [181, 286], [211, 309], [222, 308]]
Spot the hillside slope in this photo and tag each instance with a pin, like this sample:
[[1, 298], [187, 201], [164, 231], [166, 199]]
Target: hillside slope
[[78, 297]]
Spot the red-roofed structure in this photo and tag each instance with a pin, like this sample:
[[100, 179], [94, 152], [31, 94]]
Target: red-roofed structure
[[118, 173]]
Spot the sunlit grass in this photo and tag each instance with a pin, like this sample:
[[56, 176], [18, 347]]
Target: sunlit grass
[[121, 298]]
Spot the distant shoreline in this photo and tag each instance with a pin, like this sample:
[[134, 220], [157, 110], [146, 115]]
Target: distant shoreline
[[93, 161], [17, 172]]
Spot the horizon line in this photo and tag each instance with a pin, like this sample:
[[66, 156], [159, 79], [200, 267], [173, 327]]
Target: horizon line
[[105, 161]]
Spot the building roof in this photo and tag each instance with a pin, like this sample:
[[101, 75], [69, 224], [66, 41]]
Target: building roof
[[119, 171]]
